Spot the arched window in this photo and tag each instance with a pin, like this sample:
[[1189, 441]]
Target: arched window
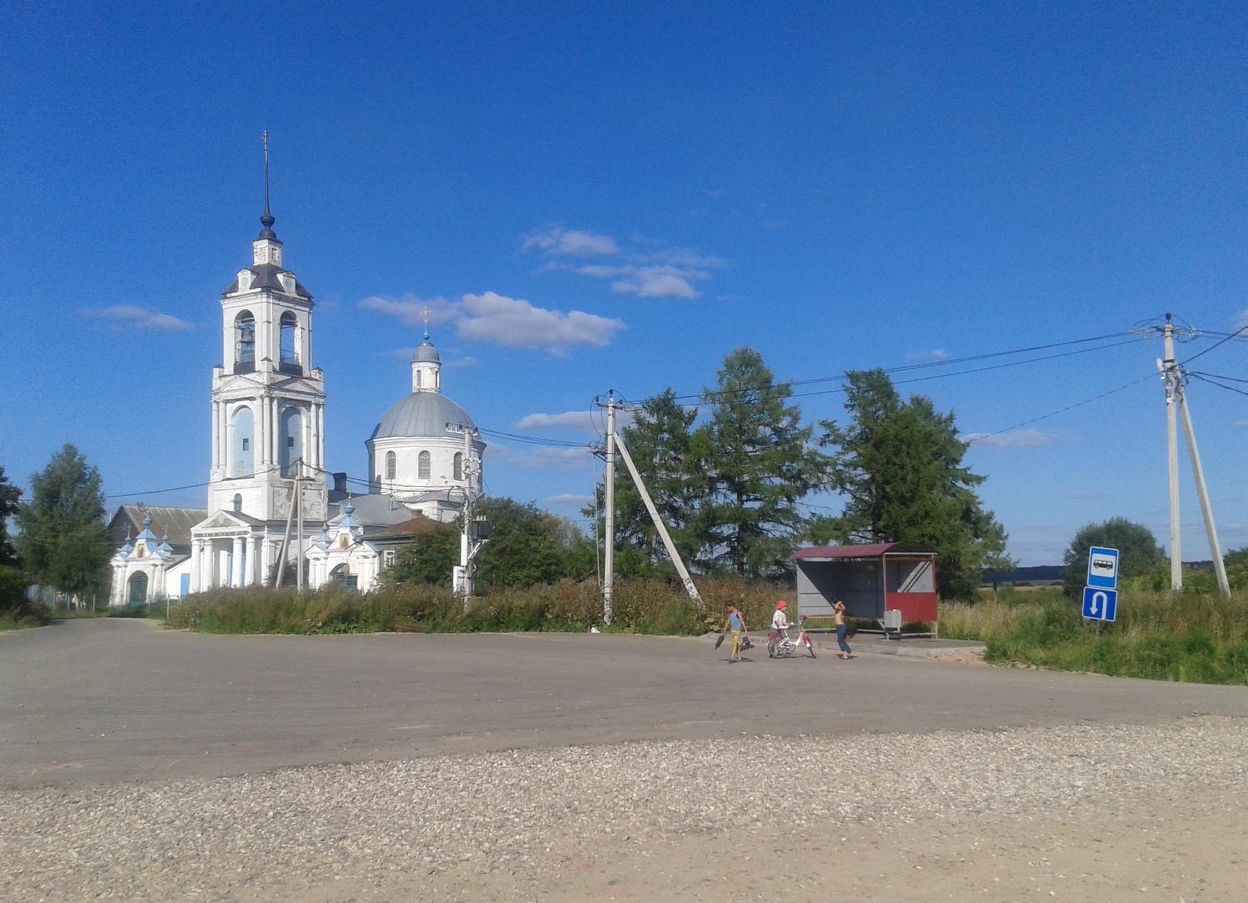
[[242, 438], [238, 503], [289, 341], [418, 381], [244, 342], [457, 466], [290, 440], [422, 466], [392, 465], [138, 589]]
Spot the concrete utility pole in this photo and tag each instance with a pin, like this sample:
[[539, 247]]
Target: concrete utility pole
[[658, 523], [608, 577], [281, 555], [1211, 530], [463, 577], [299, 529], [1170, 375]]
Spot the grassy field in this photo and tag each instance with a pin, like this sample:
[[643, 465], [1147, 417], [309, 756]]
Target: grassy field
[[1197, 637]]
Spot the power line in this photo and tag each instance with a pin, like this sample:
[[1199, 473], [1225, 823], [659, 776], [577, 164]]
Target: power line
[[1069, 407], [1205, 379], [1218, 344]]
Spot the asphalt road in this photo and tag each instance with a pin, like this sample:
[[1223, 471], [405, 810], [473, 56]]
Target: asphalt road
[[119, 700]]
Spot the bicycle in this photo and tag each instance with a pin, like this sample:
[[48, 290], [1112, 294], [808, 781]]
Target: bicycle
[[780, 644]]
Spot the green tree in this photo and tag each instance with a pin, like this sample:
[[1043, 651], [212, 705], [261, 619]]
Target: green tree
[[1138, 552], [63, 543], [659, 441], [899, 465], [529, 546], [9, 495], [428, 558], [754, 464]]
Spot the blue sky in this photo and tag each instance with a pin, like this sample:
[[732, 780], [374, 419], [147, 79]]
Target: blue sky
[[595, 196]]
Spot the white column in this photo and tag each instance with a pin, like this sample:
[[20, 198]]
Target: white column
[[253, 561], [236, 562], [195, 553], [274, 432], [216, 436]]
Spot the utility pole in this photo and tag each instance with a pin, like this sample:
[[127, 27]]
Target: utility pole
[[299, 530], [281, 555], [608, 576], [463, 577], [1211, 530], [658, 524], [1170, 375]]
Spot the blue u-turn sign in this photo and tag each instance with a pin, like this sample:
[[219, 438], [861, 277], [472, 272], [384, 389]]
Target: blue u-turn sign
[[1100, 604]]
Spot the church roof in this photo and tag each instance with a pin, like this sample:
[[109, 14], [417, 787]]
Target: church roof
[[426, 353], [424, 415], [175, 523], [266, 277]]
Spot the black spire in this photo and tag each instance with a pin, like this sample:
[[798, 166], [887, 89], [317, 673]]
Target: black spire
[[267, 219]]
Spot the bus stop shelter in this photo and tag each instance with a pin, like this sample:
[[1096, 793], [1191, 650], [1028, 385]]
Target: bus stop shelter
[[889, 582]]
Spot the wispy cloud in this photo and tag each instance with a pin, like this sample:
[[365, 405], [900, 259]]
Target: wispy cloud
[[570, 500], [1241, 423], [1017, 439], [454, 363], [589, 421], [919, 357], [499, 320], [1242, 319], [542, 457], [559, 242], [651, 272], [138, 317]]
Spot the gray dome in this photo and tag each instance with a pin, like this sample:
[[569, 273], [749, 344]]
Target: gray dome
[[426, 354], [424, 415]]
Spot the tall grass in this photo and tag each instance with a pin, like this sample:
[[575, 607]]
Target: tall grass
[[640, 606], [1195, 636]]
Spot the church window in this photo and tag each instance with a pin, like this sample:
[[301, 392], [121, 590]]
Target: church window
[[138, 589], [391, 465], [418, 380], [244, 342], [291, 444], [242, 427], [289, 341], [238, 503], [422, 465], [458, 466], [388, 557]]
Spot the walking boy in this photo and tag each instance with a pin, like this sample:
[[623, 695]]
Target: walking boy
[[841, 630], [736, 624]]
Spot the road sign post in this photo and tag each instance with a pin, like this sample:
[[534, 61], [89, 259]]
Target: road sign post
[[1100, 596]]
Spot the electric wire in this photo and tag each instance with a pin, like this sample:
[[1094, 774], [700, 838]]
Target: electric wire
[[1218, 344]]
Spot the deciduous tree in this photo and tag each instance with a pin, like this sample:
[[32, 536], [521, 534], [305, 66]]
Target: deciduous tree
[[1138, 552]]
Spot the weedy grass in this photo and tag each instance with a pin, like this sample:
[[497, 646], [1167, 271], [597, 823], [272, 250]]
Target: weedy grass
[[640, 606], [1196, 637]]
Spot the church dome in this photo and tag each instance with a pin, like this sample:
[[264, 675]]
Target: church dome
[[426, 354], [422, 415]]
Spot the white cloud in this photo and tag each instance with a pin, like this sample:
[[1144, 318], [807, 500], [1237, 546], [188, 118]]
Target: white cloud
[[139, 318], [1241, 321], [570, 499], [1241, 423], [559, 242], [499, 320], [461, 363], [410, 309], [1017, 439], [647, 273], [936, 354], [581, 420], [515, 323]]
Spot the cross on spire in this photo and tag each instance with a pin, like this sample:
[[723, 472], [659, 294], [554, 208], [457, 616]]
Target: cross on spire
[[425, 316], [267, 219]]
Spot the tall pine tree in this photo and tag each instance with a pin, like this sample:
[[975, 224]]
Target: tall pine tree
[[755, 463], [899, 466]]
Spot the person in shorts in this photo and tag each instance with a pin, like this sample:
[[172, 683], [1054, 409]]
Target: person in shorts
[[736, 625], [842, 629]]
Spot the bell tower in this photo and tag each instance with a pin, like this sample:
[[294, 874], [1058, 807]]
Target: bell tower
[[268, 400]]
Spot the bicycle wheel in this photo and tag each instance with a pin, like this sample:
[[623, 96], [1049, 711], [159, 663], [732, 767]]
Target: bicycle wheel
[[810, 647]]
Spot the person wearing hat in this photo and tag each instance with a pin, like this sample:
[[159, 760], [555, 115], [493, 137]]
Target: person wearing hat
[[779, 627]]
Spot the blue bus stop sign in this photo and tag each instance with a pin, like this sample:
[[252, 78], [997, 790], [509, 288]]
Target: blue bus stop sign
[[1100, 604], [1103, 567]]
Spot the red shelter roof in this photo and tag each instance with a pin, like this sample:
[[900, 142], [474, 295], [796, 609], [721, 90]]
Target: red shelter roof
[[873, 550]]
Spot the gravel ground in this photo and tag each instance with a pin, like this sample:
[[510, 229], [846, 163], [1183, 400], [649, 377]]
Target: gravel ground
[[290, 834]]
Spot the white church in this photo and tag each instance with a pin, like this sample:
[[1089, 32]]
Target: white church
[[268, 432]]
